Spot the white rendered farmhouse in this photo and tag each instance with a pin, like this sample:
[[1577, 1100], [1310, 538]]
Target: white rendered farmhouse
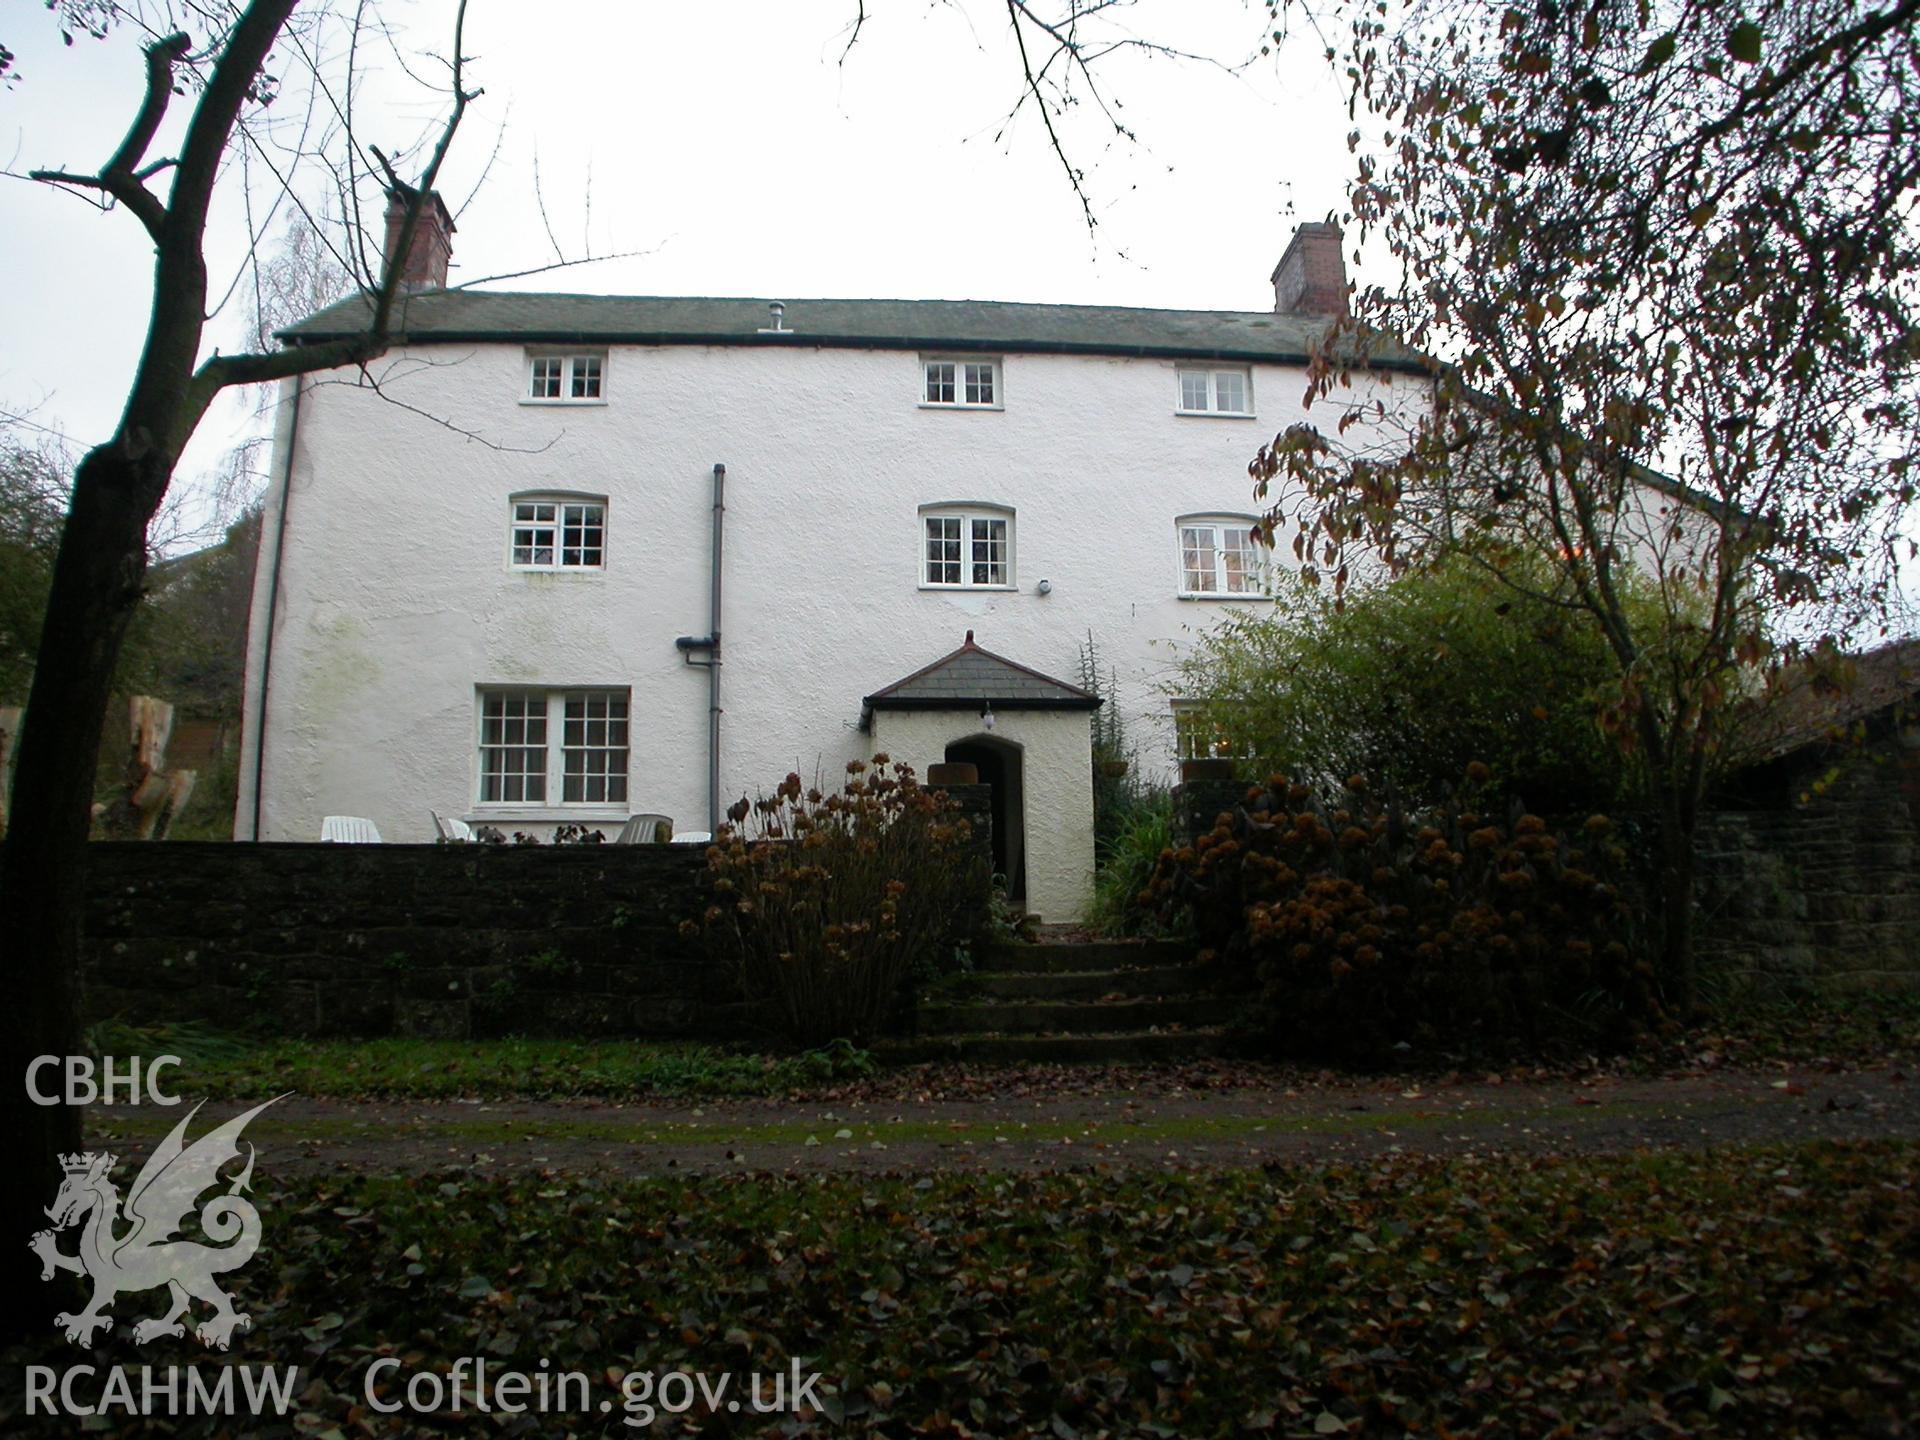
[[489, 590]]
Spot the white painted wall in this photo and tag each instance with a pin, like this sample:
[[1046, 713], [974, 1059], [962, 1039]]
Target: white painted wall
[[396, 601]]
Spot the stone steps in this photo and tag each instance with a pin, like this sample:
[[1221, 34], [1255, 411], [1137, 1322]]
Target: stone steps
[[1072, 1017], [1157, 980], [1065, 998], [1085, 955]]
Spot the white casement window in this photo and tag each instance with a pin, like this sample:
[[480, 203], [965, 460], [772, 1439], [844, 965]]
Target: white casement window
[[1219, 557], [577, 379], [1196, 737], [1216, 392], [959, 383], [557, 532], [553, 747], [966, 548]]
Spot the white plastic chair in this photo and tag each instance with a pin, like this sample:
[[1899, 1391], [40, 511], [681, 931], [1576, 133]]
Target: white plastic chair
[[349, 830], [693, 837], [451, 827], [643, 829]]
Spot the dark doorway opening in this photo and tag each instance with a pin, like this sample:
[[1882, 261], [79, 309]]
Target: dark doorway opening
[[998, 762]]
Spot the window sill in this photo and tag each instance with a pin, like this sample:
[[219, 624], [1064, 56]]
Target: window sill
[[968, 589], [562, 404], [1242, 595], [581, 571], [936, 405], [493, 814], [1217, 414]]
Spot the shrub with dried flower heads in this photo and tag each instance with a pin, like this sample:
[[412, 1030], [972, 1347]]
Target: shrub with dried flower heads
[[826, 900], [1367, 931]]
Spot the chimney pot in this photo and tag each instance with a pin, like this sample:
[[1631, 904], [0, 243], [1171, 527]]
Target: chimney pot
[[425, 264], [1311, 278]]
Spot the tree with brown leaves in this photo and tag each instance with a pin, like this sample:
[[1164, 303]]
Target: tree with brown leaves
[[1664, 259]]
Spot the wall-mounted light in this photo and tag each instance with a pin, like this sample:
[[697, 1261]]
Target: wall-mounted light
[[1045, 587], [986, 715]]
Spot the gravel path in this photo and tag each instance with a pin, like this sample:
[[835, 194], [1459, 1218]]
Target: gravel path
[[1118, 1126]]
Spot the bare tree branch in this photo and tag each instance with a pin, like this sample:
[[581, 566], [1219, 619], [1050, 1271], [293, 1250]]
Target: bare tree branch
[[366, 380], [119, 177], [161, 57], [556, 265], [853, 32], [247, 369], [1015, 10]]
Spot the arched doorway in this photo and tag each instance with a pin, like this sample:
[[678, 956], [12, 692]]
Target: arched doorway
[[998, 762]]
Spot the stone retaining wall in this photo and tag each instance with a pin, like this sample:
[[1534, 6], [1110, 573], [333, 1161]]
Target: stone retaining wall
[[1813, 878], [437, 940], [1821, 883], [446, 940]]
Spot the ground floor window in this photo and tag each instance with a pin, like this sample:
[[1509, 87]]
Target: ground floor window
[[534, 743], [1198, 736]]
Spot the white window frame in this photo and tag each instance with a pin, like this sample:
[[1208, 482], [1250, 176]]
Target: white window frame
[[1187, 718], [960, 383], [561, 500], [1216, 527], [973, 517], [572, 373], [555, 708], [1213, 375]]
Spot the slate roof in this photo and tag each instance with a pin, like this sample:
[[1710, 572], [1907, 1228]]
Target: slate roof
[[471, 316], [971, 676], [1819, 703]]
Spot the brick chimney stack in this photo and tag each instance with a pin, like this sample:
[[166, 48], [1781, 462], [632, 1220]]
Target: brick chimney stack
[[1311, 278], [425, 267]]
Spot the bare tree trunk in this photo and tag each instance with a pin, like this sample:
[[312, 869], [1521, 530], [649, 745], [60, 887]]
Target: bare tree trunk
[[9, 732], [97, 580]]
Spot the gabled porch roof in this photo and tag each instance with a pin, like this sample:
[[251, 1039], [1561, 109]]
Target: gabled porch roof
[[970, 678]]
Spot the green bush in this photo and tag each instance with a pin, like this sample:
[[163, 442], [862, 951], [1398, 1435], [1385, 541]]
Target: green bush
[[826, 900], [1369, 933], [1127, 859], [1409, 681]]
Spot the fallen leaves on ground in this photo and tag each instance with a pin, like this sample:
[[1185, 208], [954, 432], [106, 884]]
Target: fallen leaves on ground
[[1732, 1293]]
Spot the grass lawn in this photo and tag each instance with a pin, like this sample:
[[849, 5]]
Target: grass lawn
[[233, 1067], [1771, 1292], [1858, 1028]]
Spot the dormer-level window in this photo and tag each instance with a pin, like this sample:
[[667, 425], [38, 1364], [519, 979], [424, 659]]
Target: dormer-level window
[[557, 532], [1215, 392], [966, 547], [1219, 558], [959, 383], [554, 379]]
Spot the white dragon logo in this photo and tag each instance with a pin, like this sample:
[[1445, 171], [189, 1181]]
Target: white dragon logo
[[147, 1255]]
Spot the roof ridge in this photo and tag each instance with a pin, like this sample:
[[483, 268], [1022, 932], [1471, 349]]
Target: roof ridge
[[591, 295], [1069, 693], [1078, 691], [1261, 337]]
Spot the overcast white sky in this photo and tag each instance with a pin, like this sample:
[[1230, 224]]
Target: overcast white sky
[[730, 145]]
